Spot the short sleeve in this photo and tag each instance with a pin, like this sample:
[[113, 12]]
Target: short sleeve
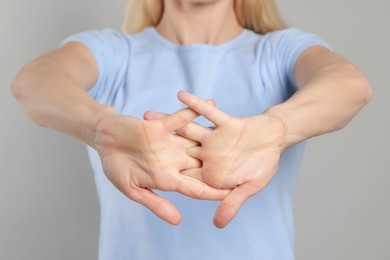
[[110, 49], [285, 46]]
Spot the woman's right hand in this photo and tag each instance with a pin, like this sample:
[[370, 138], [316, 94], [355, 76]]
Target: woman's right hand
[[138, 156]]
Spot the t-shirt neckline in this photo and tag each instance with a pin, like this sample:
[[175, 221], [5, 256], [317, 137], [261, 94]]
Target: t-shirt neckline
[[171, 45]]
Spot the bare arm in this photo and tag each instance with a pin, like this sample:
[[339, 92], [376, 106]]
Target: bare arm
[[331, 92], [137, 156], [52, 90]]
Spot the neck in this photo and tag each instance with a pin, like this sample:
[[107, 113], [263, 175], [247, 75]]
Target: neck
[[209, 22]]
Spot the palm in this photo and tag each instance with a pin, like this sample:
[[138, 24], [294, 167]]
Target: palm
[[239, 153], [153, 155], [138, 156]]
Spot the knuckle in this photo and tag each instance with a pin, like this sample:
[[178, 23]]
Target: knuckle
[[181, 118], [132, 193], [196, 102], [183, 130], [200, 192], [210, 112]]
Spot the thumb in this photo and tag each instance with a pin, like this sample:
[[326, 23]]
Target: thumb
[[152, 115]]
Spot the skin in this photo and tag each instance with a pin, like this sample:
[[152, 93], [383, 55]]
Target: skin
[[331, 92], [141, 155], [199, 21], [246, 161], [152, 159]]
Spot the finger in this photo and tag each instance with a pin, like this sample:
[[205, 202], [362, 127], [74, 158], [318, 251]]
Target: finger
[[200, 106], [195, 173], [195, 132], [176, 120], [198, 190], [186, 143], [195, 152], [151, 115], [190, 163], [160, 206], [192, 131], [230, 206]]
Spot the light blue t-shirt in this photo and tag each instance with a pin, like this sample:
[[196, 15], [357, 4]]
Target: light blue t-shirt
[[143, 72]]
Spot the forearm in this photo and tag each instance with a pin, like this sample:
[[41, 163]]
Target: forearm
[[54, 99], [326, 103]]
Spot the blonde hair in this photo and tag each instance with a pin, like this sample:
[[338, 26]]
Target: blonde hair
[[261, 16]]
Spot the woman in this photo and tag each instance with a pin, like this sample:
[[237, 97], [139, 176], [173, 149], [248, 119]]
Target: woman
[[274, 88]]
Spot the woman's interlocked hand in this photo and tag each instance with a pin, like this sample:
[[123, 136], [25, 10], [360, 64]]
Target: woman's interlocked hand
[[238, 154], [138, 156]]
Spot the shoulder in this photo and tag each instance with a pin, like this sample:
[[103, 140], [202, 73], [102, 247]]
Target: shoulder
[[289, 36], [109, 33], [289, 43], [284, 32], [103, 38]]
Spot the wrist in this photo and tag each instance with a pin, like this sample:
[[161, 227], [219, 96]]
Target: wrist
[[101, 114], [279, 119]]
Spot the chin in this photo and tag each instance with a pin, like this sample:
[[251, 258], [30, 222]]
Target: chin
[[201, 1]]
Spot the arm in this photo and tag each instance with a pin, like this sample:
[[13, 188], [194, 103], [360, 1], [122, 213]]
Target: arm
[[331, 92], [137, 156], [60, 101]]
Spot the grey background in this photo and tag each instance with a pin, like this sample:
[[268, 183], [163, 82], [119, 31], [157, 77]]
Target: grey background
[[48, 203]]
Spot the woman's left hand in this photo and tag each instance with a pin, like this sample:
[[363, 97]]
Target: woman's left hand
[[241, 154]]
